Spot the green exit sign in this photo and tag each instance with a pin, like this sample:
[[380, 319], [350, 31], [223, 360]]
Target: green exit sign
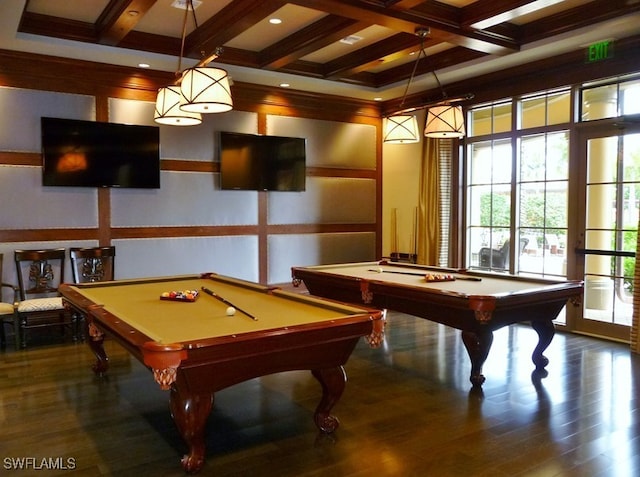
[[600, 51]]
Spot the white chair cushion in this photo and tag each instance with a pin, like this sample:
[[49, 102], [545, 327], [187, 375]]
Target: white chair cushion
[[40, 304], [6, 308]]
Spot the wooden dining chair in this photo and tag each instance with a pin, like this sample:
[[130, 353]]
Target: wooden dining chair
[[92, 264], [8, 305], [40, 272]]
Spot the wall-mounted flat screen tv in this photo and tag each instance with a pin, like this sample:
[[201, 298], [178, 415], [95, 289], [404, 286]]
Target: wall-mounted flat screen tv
[[254, 162], [79, 153]]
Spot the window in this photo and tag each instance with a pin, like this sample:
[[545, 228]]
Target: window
[[543, 186], [517, 185], [489, 198], [544, 110], [623, 98], [492, 119]]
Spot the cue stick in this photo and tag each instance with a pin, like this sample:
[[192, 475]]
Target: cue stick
[[227, 302], [414, 258], [394, 230], [456, 277]]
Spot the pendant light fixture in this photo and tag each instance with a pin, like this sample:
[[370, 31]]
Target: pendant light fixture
[[168, 110], [206, 90], [444, 121], [403, 128]]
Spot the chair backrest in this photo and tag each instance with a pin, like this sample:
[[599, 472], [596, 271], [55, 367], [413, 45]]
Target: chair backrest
[[4, 298], [504, 250], [40, 272], [92, 264], [1, 287]]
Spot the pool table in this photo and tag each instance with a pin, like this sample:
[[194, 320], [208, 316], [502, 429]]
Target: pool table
[[196, 346], [474, 302]]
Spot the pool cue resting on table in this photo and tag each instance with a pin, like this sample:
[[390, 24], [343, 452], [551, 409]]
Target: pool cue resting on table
[[455, 277], [228, 303]]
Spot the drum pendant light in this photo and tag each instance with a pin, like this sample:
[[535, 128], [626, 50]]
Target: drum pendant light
[[206, 90], [197, 90], [444, 121]]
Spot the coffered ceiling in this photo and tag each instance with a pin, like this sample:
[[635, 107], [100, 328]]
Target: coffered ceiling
[[357, 48]]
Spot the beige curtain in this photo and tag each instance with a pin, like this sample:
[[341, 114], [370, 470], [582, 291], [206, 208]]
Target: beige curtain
[[428, 236], [635, 325]]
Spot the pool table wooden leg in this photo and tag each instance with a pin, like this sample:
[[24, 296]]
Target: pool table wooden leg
[[333, 381], [96, 343], [546, 330], [190, 413], [478, 345]]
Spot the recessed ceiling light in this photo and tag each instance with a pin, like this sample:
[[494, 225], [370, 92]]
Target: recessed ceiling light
[[284, 85], [378, 98], [144, 65], [275, 21]]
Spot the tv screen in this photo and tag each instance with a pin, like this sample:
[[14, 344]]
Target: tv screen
[[253, 162], [79, 153]]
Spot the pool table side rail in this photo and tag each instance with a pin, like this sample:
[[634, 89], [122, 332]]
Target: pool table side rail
[[332, 270], [113, 325], [444, 306], [319, 277], [134, 340], [564, 290]]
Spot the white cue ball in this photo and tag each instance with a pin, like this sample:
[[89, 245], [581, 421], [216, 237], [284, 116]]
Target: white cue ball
[[231, 311], [379, 269]]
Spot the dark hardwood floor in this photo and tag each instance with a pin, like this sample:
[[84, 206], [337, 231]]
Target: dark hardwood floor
[[408, 410]]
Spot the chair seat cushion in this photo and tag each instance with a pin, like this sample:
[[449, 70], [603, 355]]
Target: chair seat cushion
[[6, 308], [40, 304]]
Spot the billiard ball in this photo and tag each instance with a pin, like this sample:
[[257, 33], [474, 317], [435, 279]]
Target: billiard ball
[[231, 311]]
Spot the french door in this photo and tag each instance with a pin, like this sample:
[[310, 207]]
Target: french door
[[608, 204]]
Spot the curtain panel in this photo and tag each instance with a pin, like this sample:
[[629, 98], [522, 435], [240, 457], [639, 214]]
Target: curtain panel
[[428, 246], [635, 323]]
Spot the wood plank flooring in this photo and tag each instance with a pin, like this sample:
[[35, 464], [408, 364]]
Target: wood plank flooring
[[408, 410]]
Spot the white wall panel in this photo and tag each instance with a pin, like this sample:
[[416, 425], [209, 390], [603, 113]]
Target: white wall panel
[[235, 256], [29, 205], [194, 143], [22, 109], [185, 198], [130, 111], [330, 143], [327, 200], [286, 251]]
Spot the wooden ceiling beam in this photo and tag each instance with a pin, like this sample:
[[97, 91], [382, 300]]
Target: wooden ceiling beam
[[54, 27], [563, 22], [119, 18], [231, 21], [398, 46], [314, 37], [485, 14], [443, 28]]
